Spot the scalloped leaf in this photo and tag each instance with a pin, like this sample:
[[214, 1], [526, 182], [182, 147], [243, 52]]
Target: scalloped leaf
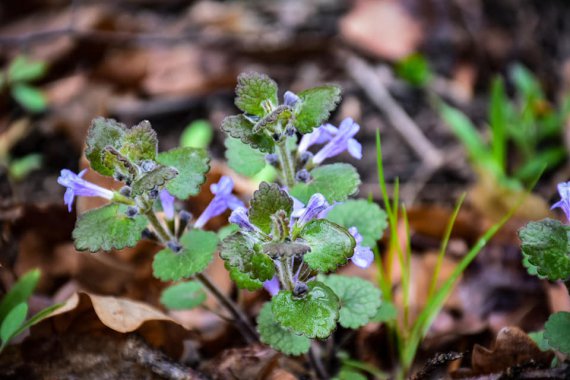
[[546, 248], [244, 280], [140, 143], [156, 178], [266, 201], [331, 245], [314, 315], [244, 159], [192, 165], [107, 228], [367, 217], [281, 339], [359, 299], [197, 252], [102, 133], [239, 127], [336, 182], [316, 106], [239, 251], [183, 296], [253, 89], [557, 331]]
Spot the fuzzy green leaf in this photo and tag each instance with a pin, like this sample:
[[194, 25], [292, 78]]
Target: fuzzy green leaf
[[102, 133], [192, 165], [12, 322], [316, 106], [29, 97], [557, 331], [107, 228], [336, 182], [266, 201], [22, 69], [140, 143], [244, 159], [546, 247], [19, 292], [198, 249], [240, 128], [281, 339], [314, 315], [155, 179], [359, 299], [367, 217], [244, 280], [240, 251], [253, 89], [331, 245], [183, 296]]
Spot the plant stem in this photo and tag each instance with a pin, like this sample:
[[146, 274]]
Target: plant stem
[[288, 276], [316, 363], [287, 169], [158, 227], [247, 329]]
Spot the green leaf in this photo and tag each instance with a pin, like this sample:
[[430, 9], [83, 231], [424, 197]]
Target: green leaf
[[244, 280], [12, 322], [197, 252], [19, 292], [198, 134], [240, 251], [266, 201], [385, 313], [240, 128], [538, 338], [557, 331], [192, 165], [347, 373], [21, 167], [316, 106], [102, 133], [314, 315], [29, 97], [107, 228], [140, 143], [40, 316], [331, 245], [367, 217], [498, 119], [244, 159], [22, 69], [281, 339], [546, 246], [414, 69], [183, 296], [155, 179], [252, 89], [359, 299], [336, 182]]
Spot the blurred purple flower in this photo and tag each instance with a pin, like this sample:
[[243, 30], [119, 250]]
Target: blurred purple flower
[[76, 185], [272, 286], [564, 202], [363, 256], [316, 205], [320, 135], [167, 201], [337, 140], [290, 99], [240, 217], [223, 200]]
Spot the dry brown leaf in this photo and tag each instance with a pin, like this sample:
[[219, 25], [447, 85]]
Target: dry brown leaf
[[253, 362], [382, 28]]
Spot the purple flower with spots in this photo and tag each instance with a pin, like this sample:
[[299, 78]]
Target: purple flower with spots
[[564, 202], [167, 201], [223, 199], [76, 185], [363, 256]]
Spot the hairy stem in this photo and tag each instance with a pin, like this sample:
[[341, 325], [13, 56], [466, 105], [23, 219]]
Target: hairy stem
[[287, 169], [157, 226], [240, 318]]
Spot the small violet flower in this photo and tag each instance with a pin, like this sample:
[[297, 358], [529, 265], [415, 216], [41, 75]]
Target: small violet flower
[[564, 202], [240, 217], [167, 201], [76, 185], [337, 140], [272, 286], [290, 99], [363, 256], [223, 199], [315, 207]]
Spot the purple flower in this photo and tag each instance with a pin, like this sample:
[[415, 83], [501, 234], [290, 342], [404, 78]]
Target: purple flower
[[76, 185], [272, 286], [167, 201], [316, 205], [320, 135], [363, 256], [342, 140], [564, 202], [223, 200], [240, 217], [290, 99]]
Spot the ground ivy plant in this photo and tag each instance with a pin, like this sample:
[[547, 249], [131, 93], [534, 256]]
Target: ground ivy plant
[[546, 254], [288, 240]]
